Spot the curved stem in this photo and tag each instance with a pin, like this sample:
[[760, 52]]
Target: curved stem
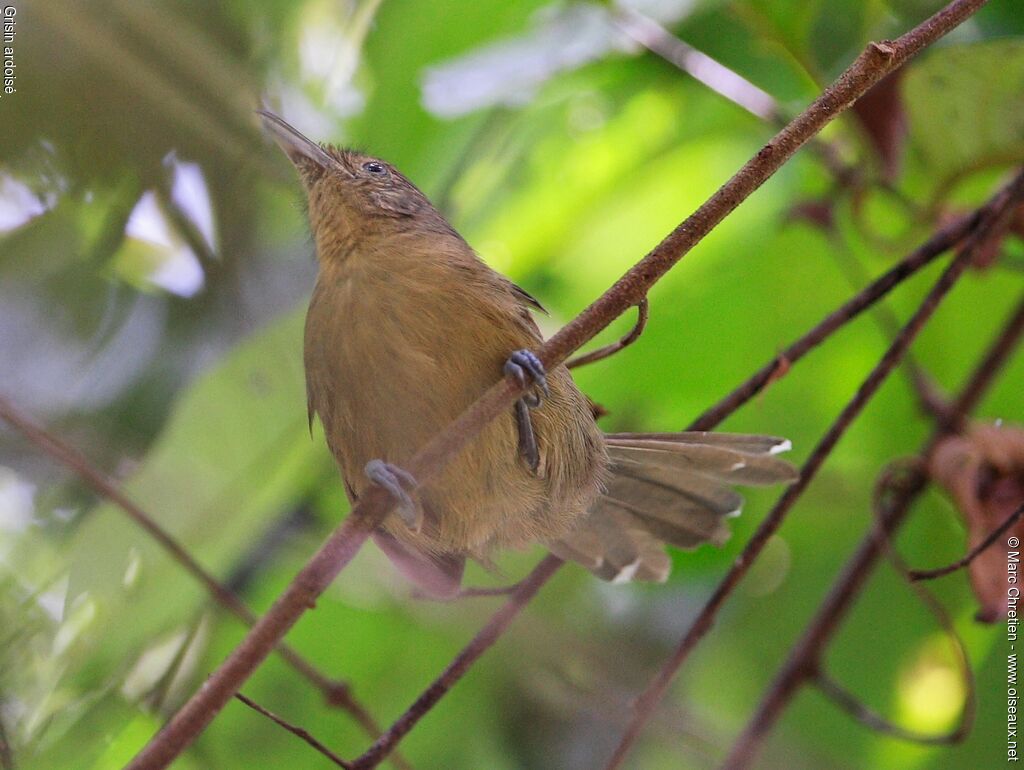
[[642, 313]]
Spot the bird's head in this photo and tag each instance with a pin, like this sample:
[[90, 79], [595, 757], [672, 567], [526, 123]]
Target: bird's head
[[352, 196]]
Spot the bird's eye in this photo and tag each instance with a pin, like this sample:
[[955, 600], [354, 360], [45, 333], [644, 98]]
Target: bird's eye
[[374, 167]]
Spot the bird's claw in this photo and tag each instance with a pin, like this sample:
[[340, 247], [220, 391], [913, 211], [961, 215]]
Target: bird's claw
[[396, 481], [519, 365], [523, 363]]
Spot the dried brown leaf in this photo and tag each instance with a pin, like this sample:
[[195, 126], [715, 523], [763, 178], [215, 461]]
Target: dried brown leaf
[[983, 471]]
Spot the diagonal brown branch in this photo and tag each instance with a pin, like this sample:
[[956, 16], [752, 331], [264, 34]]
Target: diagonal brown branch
[[487, 635], [336, 693], [943, 240], [656, 689], [300, 733], [819, 632], [872, 65], [723, 81]]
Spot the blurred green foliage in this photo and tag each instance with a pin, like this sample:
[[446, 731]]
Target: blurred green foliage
[[154, 263]]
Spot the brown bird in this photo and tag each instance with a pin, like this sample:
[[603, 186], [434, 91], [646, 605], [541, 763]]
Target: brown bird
[[407, 327]]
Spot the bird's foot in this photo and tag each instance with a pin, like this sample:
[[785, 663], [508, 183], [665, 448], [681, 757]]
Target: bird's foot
[[520, 365], [398, 483], [523, 364]]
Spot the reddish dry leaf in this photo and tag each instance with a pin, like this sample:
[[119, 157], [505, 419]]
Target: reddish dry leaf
[[987, 253], [881, 113], [815, 212], [1017, 222], [983, 471]]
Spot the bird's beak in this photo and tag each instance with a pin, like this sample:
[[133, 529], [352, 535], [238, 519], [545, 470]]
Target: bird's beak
[[298, 148]]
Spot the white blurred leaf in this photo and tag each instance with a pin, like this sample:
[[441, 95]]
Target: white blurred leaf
[[509, 72]]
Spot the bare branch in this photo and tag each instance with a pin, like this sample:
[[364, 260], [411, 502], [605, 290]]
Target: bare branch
[[460, 665], [943, 240], [725, 82], [335, 692], [849, 703], [840, 598], [893, 482], [476, 593], [642, 312], [297, 731], [655, 690], [981, 381], [931, 574], [930, 398], [737, 89], [160, 690], [872, 65], [697, 64]]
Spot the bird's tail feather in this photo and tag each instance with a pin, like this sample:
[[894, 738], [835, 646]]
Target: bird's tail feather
[[669, 488]]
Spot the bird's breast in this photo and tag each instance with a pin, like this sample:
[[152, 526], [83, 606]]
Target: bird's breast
[[389, 363]]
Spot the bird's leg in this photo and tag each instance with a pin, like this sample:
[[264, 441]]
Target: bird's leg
[[396, 481], [527, 441], [520, 365]]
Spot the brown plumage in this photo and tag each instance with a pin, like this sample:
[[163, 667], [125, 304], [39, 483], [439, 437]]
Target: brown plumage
[[407, 327]]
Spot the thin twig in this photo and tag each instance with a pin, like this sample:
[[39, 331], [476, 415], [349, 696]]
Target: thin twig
[[477, 593], [642, 312], [725, 82], [296, 731], [849, 703], [987, 370], [840, 598], [892, 483], [993, 536], [941, 241], [697, 64], [455, 670], [872, 65], [656, 689], [185, 226], [928, 395], [336, 693]]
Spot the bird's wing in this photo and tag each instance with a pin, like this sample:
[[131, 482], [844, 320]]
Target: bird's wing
[[669, 488], [523, 297]]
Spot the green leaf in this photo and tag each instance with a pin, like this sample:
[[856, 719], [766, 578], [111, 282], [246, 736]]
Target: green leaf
[[962, 116]]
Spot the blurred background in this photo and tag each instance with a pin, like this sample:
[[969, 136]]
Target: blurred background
[[155, 264]]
